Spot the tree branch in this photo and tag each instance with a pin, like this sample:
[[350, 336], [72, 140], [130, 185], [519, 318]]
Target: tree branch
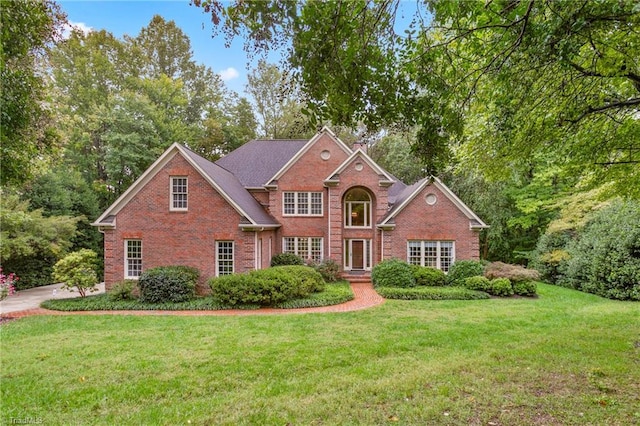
[[612, 105]]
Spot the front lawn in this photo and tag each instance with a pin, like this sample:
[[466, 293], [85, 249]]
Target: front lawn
[[561, 359]]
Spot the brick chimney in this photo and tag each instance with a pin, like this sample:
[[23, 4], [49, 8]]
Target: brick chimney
[[360, 145]]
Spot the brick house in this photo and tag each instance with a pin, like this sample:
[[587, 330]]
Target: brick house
[[316, 198]]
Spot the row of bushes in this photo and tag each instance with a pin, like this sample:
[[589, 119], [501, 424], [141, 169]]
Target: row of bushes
[[498, 279]]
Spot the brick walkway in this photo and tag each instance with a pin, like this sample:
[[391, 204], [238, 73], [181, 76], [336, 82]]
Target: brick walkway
[[365, 297]]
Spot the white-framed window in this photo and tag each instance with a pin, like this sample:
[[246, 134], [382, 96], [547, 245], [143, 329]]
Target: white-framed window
[[357, 209], [179, 193], [436, 254], [304, 247], [132, 259], [302, 203], [224, 258]]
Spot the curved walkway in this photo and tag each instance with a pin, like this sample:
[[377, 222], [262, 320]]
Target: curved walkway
[[364, 297]]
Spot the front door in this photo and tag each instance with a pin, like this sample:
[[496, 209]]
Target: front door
[[357, 255]]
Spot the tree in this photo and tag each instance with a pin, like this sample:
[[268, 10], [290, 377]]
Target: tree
[[279, 112], [77, 270], [30, 243], [27, 28], [527, 77]]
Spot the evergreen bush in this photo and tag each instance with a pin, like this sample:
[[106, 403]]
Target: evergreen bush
[[477, 282], [462, 269], [329, 269], [427, 276], [286, 259], [393, 273], [168, 284], [525, 288], [501, 287]]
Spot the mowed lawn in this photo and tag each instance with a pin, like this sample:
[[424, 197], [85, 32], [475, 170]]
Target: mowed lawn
[[563, 358]]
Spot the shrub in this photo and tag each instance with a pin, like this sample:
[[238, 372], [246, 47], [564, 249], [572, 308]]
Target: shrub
[[267, 287], [431, 293], [329, 269], [168, 284], [77, 269], [427, 276], [309, 280], [501, 287], [462, 269], [122, 290], [477, 282], [550, 252], [515, 273], [525, 288], [605, 257], [286, 259], [392, 273]]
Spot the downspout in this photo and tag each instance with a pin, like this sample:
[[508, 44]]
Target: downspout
[[381, 245], [329, 220]]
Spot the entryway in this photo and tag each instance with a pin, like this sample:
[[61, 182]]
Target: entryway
[[357, 254]]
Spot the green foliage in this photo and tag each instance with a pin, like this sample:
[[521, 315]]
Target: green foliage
[[77, 270], [462, 269], [168, 284], [426, 276], [329, 269], [31, 243], [550, 254], [281, 259], [525, 288], [26, 133], [604, 259], [333, 294], [267, 287], [500, 287], [392, 273], [477, 282], [431, 293], [123, 290]]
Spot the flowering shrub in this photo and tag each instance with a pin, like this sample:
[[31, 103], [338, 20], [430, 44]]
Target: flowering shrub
[[6, 284]]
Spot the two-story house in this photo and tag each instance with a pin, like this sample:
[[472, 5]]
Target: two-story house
[[317, 198]]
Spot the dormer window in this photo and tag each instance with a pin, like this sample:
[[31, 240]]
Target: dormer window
[[178, 193]]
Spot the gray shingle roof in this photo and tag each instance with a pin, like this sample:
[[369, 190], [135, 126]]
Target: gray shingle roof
[[234, 189], [255, 162]]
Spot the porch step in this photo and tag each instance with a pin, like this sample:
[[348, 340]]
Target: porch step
[[357, 278]]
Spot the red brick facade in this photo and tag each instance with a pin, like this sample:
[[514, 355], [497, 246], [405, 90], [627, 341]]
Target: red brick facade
[[325, 165]]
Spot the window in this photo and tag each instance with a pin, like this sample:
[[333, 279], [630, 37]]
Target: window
[[178, 193], [436, 254], [304, 247], [357, 209], [224, 258], [133, 259], [302, 203]]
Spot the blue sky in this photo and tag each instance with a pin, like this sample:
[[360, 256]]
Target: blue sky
[[129, 17]]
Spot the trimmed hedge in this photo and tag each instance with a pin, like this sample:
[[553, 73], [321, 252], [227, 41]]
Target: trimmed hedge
[[427, 276], [267, 287], [431, 293], [333, 294], [393, 273], [168, 284], [282, 259], [463, 269], [525, 288]]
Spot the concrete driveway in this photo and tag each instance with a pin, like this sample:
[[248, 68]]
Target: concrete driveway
[[31, 298]]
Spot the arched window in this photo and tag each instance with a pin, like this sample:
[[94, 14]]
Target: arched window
[[357, 209]]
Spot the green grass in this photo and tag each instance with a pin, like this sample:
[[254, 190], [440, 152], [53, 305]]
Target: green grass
[[565, 358], [333, 294]]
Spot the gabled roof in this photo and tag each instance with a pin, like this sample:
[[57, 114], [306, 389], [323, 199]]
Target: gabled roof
[[410, 192], [385, 178], [255, 162], [325, 131], [224, 182]]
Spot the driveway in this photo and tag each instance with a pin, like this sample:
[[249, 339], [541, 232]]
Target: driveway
[[31, 298]]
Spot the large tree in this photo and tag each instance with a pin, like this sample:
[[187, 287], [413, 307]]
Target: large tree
[[528, 78], [27, 29]]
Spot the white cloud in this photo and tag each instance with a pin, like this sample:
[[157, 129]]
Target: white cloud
[[80, 26], [229, 74]]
